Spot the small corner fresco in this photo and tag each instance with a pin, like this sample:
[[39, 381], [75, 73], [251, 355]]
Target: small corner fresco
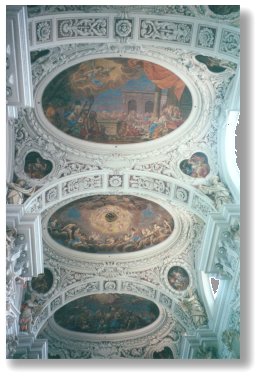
[[166, 353], [178, 278], [43, 282], [107, 313], [110, 224], [117, 101], [196, 166], [224, 9], [36, 167], [215, 65]]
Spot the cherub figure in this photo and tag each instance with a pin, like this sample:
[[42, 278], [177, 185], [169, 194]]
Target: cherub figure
[[216, 190], [17, 192], [192, 305]]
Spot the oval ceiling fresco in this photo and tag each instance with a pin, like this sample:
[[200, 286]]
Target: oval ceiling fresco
[[107, 313], [117, 101], [110, 224]]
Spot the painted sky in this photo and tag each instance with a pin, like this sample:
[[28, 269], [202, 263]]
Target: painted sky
[[111, 100]]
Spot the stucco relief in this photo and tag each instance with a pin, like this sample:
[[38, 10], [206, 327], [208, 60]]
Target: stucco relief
[[51, 172]]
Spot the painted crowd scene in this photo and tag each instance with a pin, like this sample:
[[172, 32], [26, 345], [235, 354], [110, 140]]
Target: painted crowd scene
[[107, 313], [110, 224], [117, 101]]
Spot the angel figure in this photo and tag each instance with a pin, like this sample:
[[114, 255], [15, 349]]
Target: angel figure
[[17, 192], [216, 190], [192, 305]]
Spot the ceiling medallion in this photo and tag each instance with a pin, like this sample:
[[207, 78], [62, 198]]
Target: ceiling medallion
[[178, 278], [116, 101], [111, 216], [110, 224]]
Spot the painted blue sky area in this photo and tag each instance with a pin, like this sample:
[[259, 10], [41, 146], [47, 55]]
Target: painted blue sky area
[[147, 212], [73, 213], [142, 84], [111, 100]]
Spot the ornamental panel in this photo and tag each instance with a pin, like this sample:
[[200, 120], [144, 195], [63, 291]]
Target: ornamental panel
[[206, 36], [171, 31], [82, 27]]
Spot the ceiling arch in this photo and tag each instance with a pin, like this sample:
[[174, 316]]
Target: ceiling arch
[[96, 286], [134, 182], [197, 30], [184, 172]]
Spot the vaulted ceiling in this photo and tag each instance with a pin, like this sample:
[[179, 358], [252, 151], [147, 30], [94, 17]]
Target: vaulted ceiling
[[124, 140]]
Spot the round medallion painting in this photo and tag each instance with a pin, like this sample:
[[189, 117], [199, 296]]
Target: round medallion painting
[[110, 224], [107, 313], [43, 282], [117, 101], [178, 278], [196, 166], [36, 167]]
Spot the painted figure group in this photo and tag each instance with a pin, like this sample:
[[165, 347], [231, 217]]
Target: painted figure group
[[71, 236], [81, 122]]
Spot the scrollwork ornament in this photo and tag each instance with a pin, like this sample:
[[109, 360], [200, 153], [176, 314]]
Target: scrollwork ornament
[[81, 184], [230, 43], [181, 194], [184, 10], [43, 31], [52, 194], [85, 27], [36, 205], [166, 30], [138, 289]]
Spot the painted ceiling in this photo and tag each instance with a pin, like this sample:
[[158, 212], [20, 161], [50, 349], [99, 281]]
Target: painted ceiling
[[97, 80], [107, 313], [110, 224], [117, 101]]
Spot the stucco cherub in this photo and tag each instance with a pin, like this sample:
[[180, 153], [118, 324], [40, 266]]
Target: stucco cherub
[[191, 303], [17, 192]]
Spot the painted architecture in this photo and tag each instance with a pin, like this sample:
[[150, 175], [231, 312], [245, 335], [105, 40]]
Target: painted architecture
[[123, 219]]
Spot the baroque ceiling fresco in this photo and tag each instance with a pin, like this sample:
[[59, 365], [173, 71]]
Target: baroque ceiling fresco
[[123, 232], [117, 101], [110, 224], [107, 313]]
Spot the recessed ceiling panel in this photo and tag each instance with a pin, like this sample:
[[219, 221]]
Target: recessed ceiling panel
[[110, 224], [117, 101], [107, 313]]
